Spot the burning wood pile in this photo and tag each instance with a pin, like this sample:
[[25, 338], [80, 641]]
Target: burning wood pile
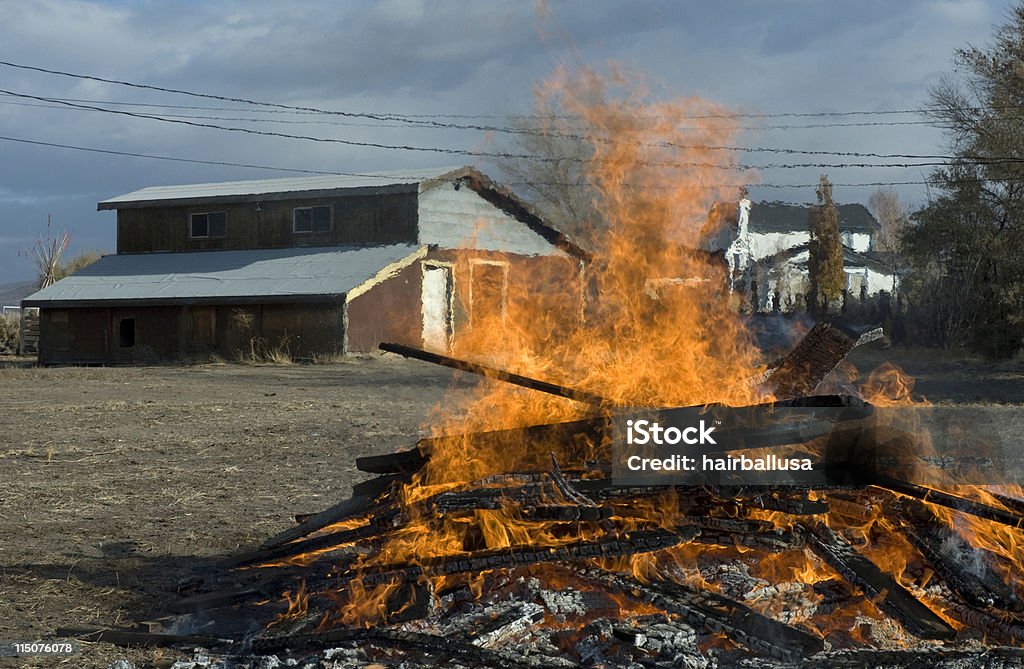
[[557, 566], [510, 538]]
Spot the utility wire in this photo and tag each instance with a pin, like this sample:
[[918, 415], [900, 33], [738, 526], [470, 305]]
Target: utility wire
[[172, 158], [524, 156], [749, 184], [424, 117], [452, 126]]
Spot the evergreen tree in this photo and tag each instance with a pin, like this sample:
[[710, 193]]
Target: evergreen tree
[[826, 253]]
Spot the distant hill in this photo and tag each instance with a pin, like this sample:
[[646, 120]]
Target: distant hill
[[11, 294]]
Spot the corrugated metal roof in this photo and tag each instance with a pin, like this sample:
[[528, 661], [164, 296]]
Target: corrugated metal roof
[[409, 179], [206, 276]]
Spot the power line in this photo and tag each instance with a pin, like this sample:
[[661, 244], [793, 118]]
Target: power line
[[65, 103], [269, 133], [424, 117], [59, 104], [172, 158], [427, 120], [523, 156], [471, 116], [749, 184]]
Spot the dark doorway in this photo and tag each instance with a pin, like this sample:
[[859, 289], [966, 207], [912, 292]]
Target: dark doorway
[[127, 332]]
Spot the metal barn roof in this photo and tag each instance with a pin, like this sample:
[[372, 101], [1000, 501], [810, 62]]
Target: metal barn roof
[[315, 185], [266, 275]]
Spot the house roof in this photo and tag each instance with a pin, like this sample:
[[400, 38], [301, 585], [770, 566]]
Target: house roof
[[265, 275], [781, 217], [370, 183]]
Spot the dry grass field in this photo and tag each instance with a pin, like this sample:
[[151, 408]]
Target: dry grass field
[[117, 483]]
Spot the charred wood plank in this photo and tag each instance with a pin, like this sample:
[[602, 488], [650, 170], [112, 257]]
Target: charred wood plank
[[961, 565], [566, 488], [122, 637], [402, 462], [817, 354], [221, 598], [955, 502], [568, 512], [990, 624], [627, 543], [413, 460], [334, 540], [766, 541], [793, 505], [888, 595], [531, 494], [349, 508], [740, 532], [255, 585], [1010, 502], [715, 613], [494, 373], [594, 428], [374, 487]]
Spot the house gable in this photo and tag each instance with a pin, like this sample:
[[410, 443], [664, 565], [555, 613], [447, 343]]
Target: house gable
[[453, 215]]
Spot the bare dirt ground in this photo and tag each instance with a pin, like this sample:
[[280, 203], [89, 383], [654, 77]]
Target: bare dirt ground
[[117, 483]]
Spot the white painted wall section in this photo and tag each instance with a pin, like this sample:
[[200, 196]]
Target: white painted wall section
[[858, 241], [461, 219], [764, 244]]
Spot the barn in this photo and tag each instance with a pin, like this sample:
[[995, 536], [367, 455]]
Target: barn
[[321, 265]]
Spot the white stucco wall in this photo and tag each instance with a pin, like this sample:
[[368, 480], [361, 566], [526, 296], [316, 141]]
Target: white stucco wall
[[768, 243], [460, 218]]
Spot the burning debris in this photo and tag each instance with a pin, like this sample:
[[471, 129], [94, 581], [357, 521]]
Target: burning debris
[[622, 576], [505, 539]]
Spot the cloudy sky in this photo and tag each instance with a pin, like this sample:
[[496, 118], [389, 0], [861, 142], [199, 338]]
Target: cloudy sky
[[447, 58]]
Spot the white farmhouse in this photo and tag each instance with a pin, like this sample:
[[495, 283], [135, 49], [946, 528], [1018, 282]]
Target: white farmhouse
[[766, 247]]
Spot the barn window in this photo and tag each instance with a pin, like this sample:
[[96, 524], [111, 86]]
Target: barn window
[[208, 224], [312, 219]]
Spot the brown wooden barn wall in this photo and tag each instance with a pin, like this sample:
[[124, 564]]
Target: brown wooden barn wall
[[357, 219], [171, 333], [388, 312]]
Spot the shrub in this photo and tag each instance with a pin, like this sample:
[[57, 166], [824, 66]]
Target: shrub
[[10, 333]]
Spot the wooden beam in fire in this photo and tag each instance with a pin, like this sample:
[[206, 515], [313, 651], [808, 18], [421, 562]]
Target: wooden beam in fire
[[817, 354], [713, 613], [962, 566], [494, 373], [891, 597]]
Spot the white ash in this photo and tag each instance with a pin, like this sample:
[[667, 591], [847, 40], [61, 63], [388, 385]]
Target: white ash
[[565, 602]]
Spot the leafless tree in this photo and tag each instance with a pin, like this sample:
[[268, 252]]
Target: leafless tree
[[892, 216]]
